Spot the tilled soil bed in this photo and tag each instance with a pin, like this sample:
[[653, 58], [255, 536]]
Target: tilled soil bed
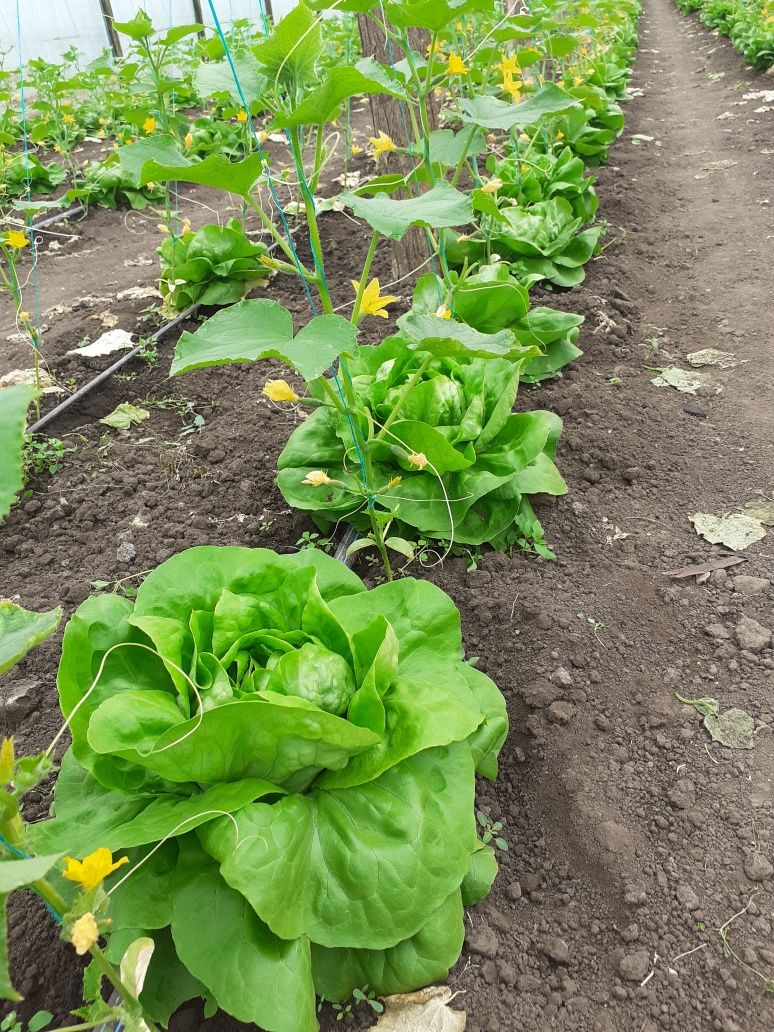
[[632, 837]]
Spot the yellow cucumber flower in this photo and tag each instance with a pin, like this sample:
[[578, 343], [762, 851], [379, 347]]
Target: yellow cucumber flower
[[84, 934], [188, 141], [68, 119], [392, 483], [381, 144], [418, 459], [279, 390], [355, 150], [149, 124], [511, 86], [16, 238], [456, 65], [241, 116], [443, 312], [93, 869], [317, 478], [509, 65], [373, 302]]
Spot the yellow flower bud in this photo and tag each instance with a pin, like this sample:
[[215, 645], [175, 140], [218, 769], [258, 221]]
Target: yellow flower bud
[[84, 934]]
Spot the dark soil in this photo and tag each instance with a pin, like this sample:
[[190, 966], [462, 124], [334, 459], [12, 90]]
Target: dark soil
[[632, 836]]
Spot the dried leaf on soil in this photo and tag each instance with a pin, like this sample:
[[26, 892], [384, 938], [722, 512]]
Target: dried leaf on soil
[[113, 340], [708, 167], [681, 379], [762, 510], [734, 530], [711, 356], [124, 415], [423, 1011], [734, 729]]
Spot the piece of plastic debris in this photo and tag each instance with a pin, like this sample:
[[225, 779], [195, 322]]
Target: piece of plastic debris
[[112, 340], [682, 380], [700, 569], [711, 356], [734, 530], [424, 1011], [29, 376], [124, 415]]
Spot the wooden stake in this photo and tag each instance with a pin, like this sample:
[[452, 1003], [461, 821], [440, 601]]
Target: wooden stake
[[112, 35], [386, 116]]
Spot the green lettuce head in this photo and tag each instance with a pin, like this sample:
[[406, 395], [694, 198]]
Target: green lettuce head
[[289, 760], [467, 464]]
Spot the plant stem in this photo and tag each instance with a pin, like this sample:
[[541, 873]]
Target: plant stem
[[49, 894], [410, 383], [379, 539], [317, 168], [279, 240], [461, 162], [364, 276], [314, 231]]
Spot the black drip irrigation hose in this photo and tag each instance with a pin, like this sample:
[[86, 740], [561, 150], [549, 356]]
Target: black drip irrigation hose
[[58, 218], [107, 373]]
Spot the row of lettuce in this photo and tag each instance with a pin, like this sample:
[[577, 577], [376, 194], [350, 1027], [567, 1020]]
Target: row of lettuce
[[749, 24], [262, 748]]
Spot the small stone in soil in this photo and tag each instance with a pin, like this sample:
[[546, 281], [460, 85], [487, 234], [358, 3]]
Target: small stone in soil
[[482, 941], [555, 949], [757, 867], [751, 635], [746, 585], [634, 966]]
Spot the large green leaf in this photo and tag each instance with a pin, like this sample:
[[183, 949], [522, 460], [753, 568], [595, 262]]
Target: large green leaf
[[156, 159], [433, 15], [138, 28], [97, 817], [424, 959], [254, 975], [281, 738], [14, 402], [322, 103], [294, 47], [252, 330], [441, 206], [7, 991], [215, 77], [491, 113], [21, 630], [15, 874], [342, 866], [450, 338]]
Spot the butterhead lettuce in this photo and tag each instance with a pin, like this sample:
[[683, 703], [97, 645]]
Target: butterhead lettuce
[[289, 761]]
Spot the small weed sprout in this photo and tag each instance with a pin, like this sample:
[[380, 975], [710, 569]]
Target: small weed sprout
[[490, 831]]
